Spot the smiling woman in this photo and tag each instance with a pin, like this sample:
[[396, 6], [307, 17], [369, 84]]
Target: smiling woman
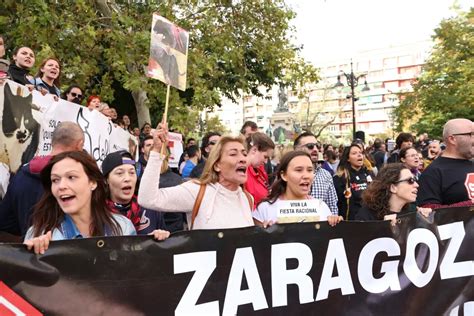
[[216, 201], [73, 204]]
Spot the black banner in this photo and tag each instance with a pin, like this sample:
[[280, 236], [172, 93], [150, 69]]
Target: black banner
[[418, 266]]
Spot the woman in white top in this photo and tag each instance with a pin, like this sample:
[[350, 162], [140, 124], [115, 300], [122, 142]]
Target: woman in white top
[[293, 182], [223, 203]]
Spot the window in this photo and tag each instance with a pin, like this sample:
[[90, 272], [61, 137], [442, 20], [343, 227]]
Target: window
[[376, 64], [405, 60], [391, 85], [390, 62]]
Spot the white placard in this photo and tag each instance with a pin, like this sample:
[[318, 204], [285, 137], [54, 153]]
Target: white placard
[[297, 211]]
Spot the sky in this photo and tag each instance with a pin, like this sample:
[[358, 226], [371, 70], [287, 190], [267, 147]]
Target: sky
[[338, 29]]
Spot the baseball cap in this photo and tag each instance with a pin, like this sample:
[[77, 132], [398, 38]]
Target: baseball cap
[[115, 159]]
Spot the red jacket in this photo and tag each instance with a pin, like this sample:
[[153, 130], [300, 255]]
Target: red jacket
[[257, 184]]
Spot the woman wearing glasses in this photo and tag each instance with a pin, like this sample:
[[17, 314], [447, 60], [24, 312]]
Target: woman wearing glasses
[[411, 160], [393, 191]]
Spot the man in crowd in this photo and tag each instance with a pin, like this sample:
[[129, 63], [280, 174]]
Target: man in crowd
[[190, 142], [248, 129], [73, 94], [323, 185], [208, 141], [25, 188], [379, 153], [434, 150], [448, 181], [145, 147], [403, 140], [194, 155]]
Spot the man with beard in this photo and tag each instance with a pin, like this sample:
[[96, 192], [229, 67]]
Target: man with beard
[[73, 94], [323, 185], [446, 181]]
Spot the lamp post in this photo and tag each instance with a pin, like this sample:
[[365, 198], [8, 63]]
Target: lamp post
[[352, 82]]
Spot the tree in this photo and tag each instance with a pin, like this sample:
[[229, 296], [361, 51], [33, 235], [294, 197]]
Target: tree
[[445, 90], [235, 47]]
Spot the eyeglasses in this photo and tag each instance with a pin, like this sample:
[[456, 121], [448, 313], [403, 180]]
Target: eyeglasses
[[311, 146], [411, 180], [464, 134], [78, 95]]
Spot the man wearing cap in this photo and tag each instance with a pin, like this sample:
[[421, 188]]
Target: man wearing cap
[[118, 169]]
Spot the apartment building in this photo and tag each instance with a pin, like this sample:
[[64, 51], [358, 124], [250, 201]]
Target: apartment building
[[388, 71], [383, 73]]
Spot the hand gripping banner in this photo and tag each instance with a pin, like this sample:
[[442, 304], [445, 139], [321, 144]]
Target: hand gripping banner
[[417, 266]]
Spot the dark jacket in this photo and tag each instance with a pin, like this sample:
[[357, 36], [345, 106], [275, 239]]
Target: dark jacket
[[367, 214], [24, 191], [174, 220], [358, 183], [197, 171], [145, 221], [18, 74]]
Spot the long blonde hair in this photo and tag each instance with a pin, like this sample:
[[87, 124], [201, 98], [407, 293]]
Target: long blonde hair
[[210, 175]]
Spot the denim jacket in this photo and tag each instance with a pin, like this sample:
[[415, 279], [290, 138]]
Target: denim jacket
[[38, 83], [68, 230]]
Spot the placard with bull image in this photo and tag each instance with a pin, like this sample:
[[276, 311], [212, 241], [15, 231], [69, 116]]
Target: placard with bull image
[[168, 53]]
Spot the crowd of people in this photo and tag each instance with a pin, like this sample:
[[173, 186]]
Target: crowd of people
[[48, 81], [226, 182]]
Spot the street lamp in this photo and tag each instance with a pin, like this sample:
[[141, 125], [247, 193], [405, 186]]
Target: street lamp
[[352, 82]]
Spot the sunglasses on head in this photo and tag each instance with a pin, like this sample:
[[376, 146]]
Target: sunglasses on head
[[311, 146], [76, 95], [411, 180]]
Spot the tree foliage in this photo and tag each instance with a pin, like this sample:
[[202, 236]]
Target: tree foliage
[[235, 47], [445, 90]]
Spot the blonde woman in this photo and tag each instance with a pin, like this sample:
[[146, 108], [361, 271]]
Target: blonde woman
[[216, 201]]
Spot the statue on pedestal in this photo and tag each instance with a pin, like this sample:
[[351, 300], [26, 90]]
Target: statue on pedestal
[[282, 100]]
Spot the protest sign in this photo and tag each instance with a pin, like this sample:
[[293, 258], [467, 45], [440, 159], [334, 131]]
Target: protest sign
[[419, 266], [28, 120], [20, 124], [298, 211], [175, 144], [168, 53]]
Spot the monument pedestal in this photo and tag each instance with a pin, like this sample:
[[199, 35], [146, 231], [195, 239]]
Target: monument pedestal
[[282, 127]]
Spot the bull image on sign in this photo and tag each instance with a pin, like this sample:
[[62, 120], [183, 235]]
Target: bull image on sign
[[168, 53]]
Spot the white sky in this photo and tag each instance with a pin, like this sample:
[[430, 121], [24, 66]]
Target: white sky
[[333, 29]]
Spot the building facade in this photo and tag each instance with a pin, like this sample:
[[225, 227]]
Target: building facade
[[322, 106]]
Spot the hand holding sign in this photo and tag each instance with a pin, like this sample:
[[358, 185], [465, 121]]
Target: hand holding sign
[[160, 137]]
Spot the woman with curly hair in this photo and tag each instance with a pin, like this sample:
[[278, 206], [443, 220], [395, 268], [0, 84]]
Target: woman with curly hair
[[393, 191]]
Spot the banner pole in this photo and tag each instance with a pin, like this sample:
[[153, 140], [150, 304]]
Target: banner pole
[[165, 115]]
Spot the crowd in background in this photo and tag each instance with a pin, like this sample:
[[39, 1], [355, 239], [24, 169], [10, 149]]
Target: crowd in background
[[221, 181]]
